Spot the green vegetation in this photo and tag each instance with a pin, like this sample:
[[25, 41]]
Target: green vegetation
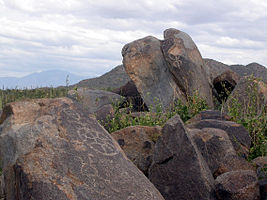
[[124, 117], [11, 95], [252, 117]]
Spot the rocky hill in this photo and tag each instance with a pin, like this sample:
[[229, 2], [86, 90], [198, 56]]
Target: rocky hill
[[116, 78], [254, 69]]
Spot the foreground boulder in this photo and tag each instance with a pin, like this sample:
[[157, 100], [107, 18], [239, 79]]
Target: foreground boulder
[[237, 185], [51, 149], [178, 169], [146, 66], [138, 143]]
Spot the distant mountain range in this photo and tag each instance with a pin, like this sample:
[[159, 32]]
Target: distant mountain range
[[51, 78]]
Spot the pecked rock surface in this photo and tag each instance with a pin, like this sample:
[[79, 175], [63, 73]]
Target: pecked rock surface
[[186, 64], [51, 149], [146, 66], [178, 169]]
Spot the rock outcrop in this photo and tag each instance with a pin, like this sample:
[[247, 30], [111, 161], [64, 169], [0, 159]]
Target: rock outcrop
[[178, 169], [145, 64], [52, 149]]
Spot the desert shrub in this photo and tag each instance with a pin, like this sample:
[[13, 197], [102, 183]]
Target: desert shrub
[[11, 95], [251, 117], [124, 118]]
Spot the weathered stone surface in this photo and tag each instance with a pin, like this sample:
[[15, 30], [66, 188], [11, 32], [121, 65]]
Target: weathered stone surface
[[93, 100], [249, 92], [138, 143], [51, 149], [261, 166], [238, 135], [209, 114], [186, 64], [178, 169], [218, 151], [237, 185], [145, 64]]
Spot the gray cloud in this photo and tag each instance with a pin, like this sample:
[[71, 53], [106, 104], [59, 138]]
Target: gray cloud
[[86, 37]]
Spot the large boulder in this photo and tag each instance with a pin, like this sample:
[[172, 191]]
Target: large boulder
[[186, 64], [146, 66], [218, 151], [52, 149], [237, 185], [178, 169], [238, 135], [93, 100], [138, 143]]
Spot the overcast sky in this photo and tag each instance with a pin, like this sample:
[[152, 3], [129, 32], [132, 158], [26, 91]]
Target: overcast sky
[[86, 36]]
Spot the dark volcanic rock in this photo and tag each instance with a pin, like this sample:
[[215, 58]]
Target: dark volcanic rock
[[138, 143], [218, 151], [93, 100], [238, 135], [186, 64], [132, 95], [178, 169], [224, 84], [209, 114], [237, 185], [145, 64], [261, 166], [51, 149], [113, 79]]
